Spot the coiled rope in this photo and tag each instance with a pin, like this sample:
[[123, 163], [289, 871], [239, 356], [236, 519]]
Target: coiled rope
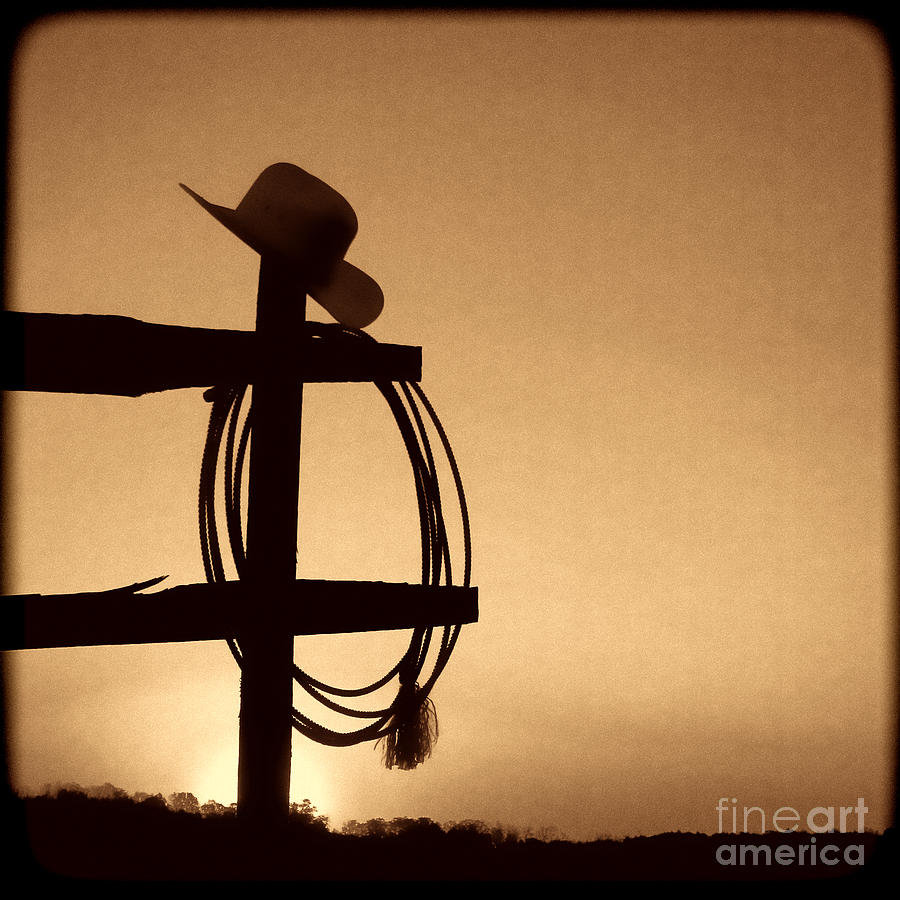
[[406, 728]]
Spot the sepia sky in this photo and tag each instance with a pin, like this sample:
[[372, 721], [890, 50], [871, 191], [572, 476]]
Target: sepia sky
[[649, 259]]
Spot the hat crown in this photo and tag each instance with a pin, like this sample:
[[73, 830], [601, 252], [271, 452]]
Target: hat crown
[[303, 219]]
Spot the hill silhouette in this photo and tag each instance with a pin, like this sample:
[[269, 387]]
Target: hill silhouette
[[110, 836]]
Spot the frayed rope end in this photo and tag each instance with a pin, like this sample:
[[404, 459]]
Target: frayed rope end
[[414, 731]]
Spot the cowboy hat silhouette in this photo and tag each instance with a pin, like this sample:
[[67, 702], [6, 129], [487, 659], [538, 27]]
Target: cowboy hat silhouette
[[292, 215]]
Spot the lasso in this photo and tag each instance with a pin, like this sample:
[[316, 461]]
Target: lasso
[[407, 728]]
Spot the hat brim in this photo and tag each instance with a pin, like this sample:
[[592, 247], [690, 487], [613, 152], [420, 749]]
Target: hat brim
[[351, 296]]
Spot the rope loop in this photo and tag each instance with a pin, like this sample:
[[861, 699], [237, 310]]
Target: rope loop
[[407, 728]]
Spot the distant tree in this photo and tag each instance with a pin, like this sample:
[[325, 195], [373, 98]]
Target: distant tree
[[213, 808], [377, 828], [548, 833], [400, 825], [306, 814], [470, 834], [107, 791], [501, 836], [156, 801], [470, 826], [303, 810], [71, 787], [419, 830], [184, 802]]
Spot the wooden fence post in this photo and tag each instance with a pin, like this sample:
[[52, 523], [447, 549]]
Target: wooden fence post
[[267, 645]]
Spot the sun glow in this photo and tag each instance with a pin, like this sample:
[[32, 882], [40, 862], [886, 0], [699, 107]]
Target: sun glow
[[218, 779]]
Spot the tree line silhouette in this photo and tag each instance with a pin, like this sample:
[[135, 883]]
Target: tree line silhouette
[[105, 834]]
